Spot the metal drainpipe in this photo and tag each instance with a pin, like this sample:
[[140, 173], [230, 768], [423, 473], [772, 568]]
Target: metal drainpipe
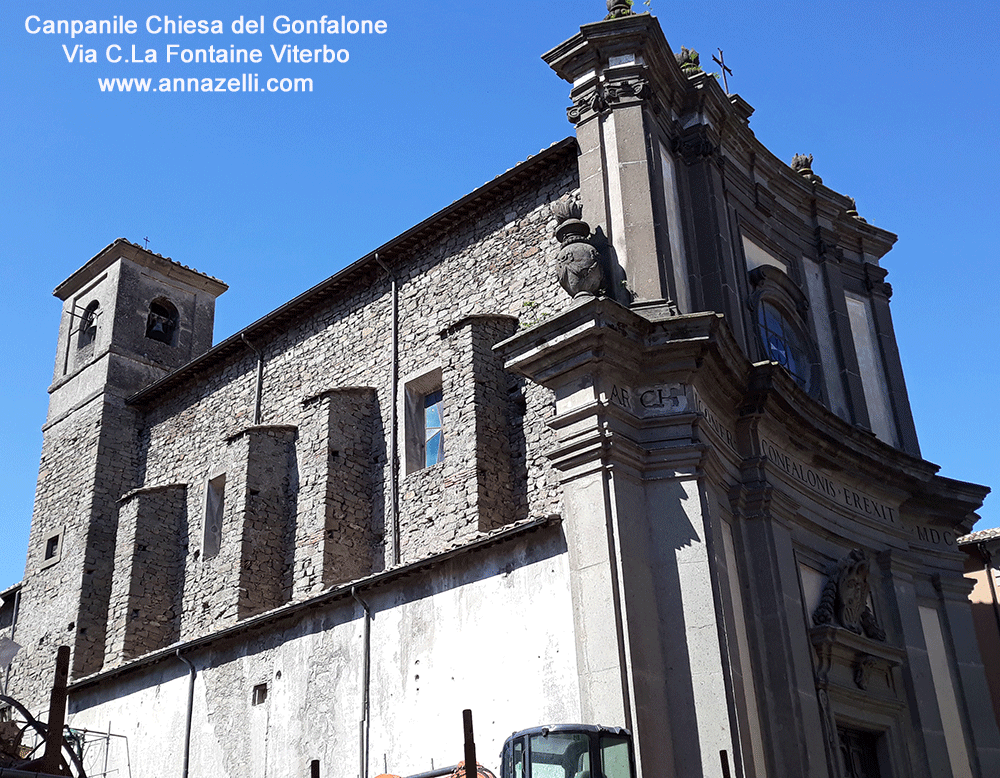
[[190, 711], [364, 725], [988, 568], [393, 421], [260, 378], [13, 631]]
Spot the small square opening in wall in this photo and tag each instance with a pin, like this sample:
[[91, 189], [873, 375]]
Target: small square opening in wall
[[52, 548], [259, 696]]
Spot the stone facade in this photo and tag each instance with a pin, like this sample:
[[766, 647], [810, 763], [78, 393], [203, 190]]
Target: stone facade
[[690, 504]]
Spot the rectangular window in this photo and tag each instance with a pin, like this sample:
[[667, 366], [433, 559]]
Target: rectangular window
[[433, 428], [423, 421], [215, 501], [259, 694], [52, 548]]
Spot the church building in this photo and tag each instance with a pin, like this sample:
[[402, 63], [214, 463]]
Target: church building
[[620, 438]]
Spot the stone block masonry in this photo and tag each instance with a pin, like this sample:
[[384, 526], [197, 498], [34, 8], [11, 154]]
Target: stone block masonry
[[302, 493], [145, 608], [339, 467], [266, 517]]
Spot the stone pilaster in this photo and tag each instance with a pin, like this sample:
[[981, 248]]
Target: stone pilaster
[[880, 294], [640, 537], [477, 422], [624, 77]]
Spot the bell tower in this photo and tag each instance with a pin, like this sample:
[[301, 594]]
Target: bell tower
[[129, 318]]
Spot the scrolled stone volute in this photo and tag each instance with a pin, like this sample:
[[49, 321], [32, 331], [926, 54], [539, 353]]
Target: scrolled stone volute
[[578, 263]]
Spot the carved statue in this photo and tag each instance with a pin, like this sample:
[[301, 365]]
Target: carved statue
[[802, 164], [618, 8], [578, 263], [689, 60], [845, 598]]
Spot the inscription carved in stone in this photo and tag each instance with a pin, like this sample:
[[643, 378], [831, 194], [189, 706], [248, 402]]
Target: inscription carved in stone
[[845, 598]]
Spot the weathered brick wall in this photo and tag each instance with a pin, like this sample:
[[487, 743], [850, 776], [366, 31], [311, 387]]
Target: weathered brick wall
[[493, 265]]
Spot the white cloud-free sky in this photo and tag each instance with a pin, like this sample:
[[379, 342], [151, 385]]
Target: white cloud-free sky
[[897, 101]]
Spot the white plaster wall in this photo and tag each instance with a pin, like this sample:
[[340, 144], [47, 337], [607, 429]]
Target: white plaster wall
[[491, 631]]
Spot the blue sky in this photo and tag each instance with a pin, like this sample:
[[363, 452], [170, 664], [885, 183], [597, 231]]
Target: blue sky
[[898, 103]]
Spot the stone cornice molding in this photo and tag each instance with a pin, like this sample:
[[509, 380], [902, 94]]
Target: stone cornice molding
[[338, 390], [592, 347], [284, 429], [143, 490], [618, 62]]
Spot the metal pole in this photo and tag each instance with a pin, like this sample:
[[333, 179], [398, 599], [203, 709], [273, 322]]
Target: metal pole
[[393, 417], [988, 567], [190, 711], [260, 379], [13, 631], [364, 724], [471, 770]]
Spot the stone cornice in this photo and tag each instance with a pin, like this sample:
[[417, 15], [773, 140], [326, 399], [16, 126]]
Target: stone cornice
[[617, 62], [125, 249], [591, 347]]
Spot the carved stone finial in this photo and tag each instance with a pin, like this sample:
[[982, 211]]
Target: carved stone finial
[[802, 164], [845, 598], [618, 8], [578, 263], [853, 211], [689, 61]]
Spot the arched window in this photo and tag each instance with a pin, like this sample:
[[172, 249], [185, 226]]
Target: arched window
[[779, 307], [161, 323], [783, 344], [87, 331]]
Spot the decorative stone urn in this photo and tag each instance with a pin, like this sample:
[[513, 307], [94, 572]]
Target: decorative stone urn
[[689, 61], [802, 164], [617, 8], [578, 263]]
